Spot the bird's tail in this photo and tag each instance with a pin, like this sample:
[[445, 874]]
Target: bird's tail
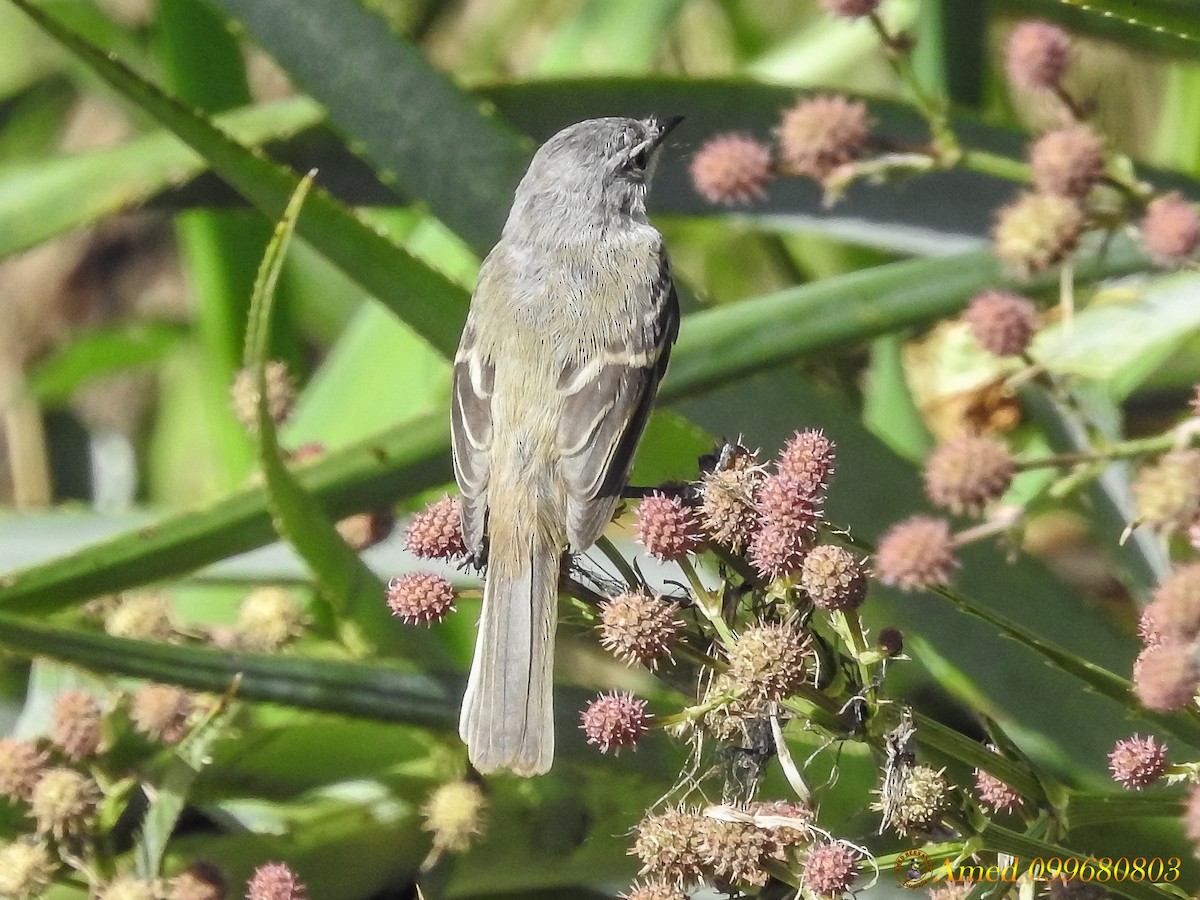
[[507, 719]]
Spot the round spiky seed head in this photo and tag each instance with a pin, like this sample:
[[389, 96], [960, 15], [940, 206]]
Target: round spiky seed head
[[76, 724], [995, 794], [275, 881], [735, 852], [145, 617], [199, 881], [727, 509], [420, 598], [1191, 815], [777, 548], [127, 887], [967, 473], [924, 797], [366, 529], [788, 515], [808, 460], [1068, 161], [670, 845], [1002, 322], [833, 578], [731, 169], [916, 553], [26, 869], [819, 134], [769, 661], [21, 764], [782, 498], [1175, 613], [436, 531], [281, 394], [787, 824], [455, 815], [269, 618], [1167, 492], [615, 721], [1036, 231], [63, 802], [161, 711], [1148, 630], [890, 642], [1170, 230], [829, 869], [1037, 56], [851, 9], [1137, 762], [636, 627], [667, 527], [1165, 677], [652, 889]]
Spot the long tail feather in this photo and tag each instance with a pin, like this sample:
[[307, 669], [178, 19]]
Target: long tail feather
[[507, 719]]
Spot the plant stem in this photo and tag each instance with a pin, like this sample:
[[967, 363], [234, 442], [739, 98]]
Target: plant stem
[[1184, 725], [692, 713], [987, 163], [1132, 449], [706, 603], [899, 55], [609, 549]]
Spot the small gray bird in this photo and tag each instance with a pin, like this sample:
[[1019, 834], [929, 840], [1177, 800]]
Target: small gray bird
[[566, 341]]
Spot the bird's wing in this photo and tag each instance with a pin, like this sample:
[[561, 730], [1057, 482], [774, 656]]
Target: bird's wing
[[474, 380], [606, 403]]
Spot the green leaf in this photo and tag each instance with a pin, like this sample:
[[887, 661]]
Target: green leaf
[[432, 305], [609, 36], [170, 794], [1093, 416], [1184, 724], [1125, 333], [951, 48], [425, 134], [343, 402], [43, 199], [1165, 26], [722, 344], [889, 409], [374, 691], [403, 461], [101, 352], [356, 594]]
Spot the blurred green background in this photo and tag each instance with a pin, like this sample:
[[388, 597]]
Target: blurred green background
[[130, 232]]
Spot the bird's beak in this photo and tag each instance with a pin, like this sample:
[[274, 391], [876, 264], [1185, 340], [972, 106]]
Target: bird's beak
[[665, 127]]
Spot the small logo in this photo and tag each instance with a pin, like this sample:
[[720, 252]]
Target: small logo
[[912, 868]]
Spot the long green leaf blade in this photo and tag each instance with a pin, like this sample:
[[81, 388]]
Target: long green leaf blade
[[424, 133], [41, 200], [371, 691], [171, 793], [357, 595], [406, 460], [429, 302]]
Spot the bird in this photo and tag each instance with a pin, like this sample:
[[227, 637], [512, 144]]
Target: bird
[[568, 335]]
